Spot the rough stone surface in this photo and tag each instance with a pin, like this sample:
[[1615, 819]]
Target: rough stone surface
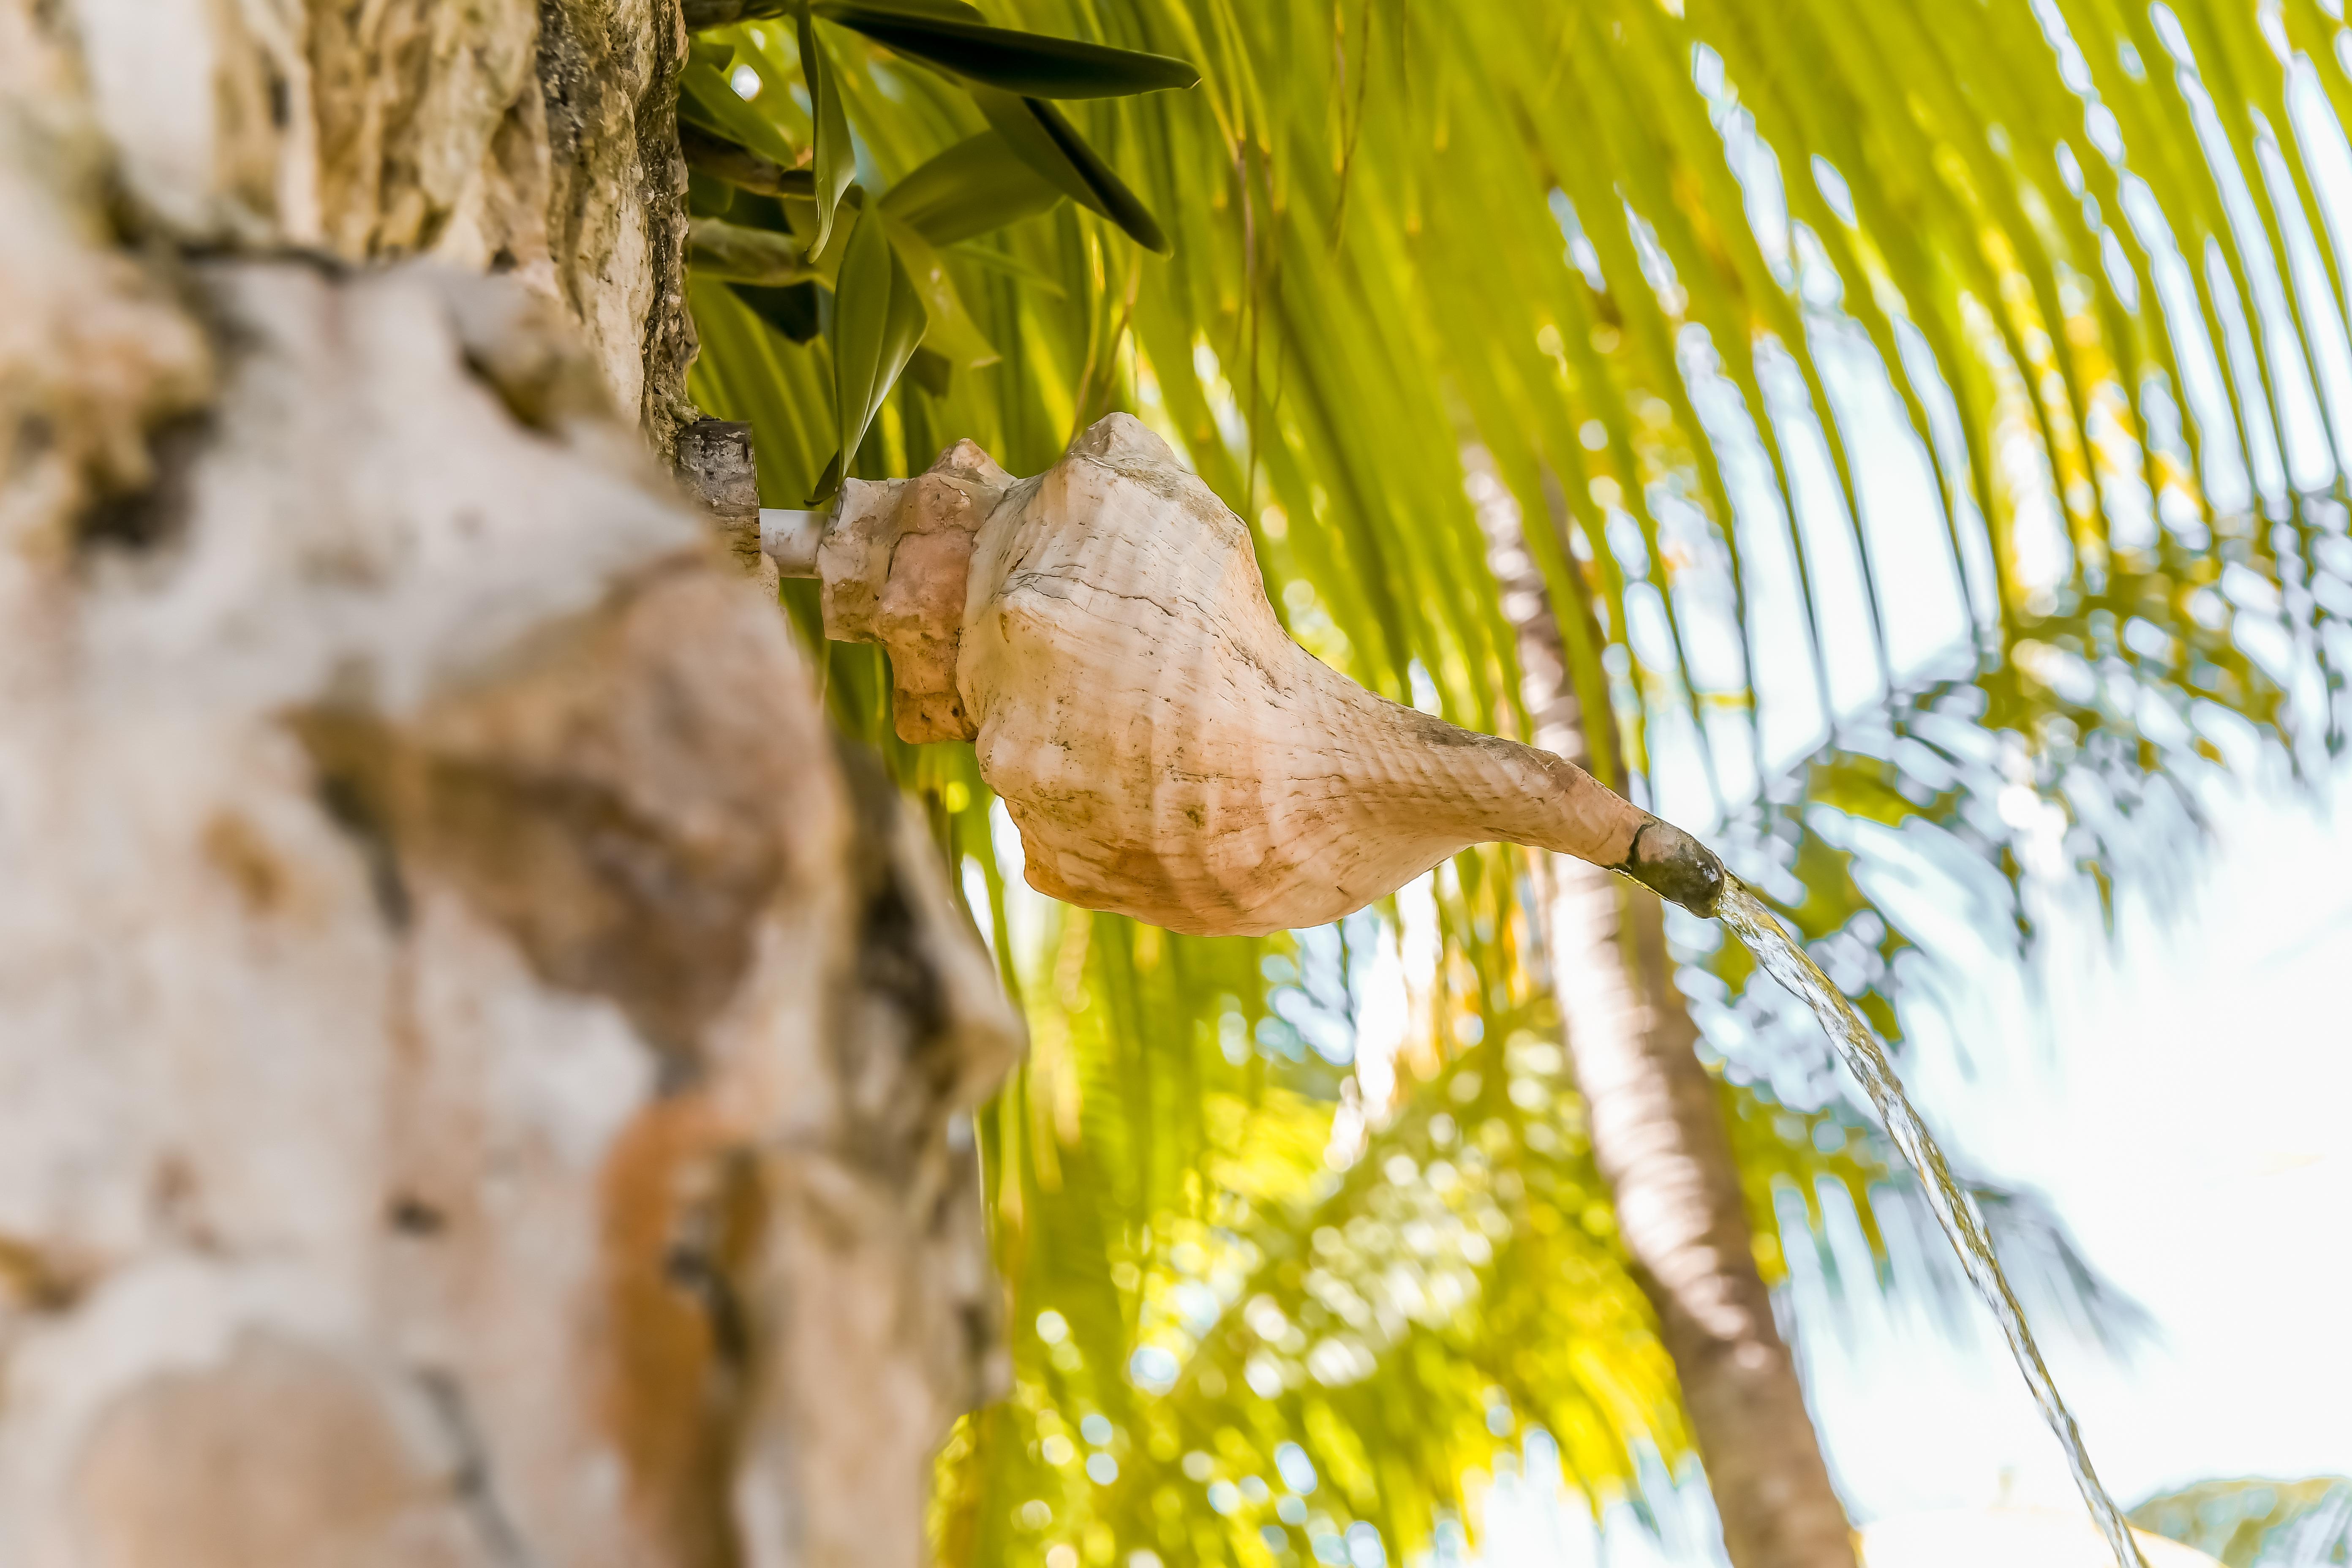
[[94, 348], [722, 475], [495, 135], [481, 1077]]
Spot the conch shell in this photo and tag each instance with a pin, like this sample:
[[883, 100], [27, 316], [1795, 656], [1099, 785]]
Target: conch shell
[[1101, 634]]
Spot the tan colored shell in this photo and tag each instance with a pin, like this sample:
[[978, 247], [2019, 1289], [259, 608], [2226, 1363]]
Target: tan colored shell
[[894, 565], [1164, 747]]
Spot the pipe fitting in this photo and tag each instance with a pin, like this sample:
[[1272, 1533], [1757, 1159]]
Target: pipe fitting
[[790, 539]]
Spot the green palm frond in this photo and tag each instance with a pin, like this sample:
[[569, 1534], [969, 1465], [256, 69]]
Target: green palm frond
[[1285, 1344], [2257, 1522], [1785, 330]]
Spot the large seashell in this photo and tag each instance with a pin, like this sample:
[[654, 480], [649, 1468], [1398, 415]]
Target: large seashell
[[1165, 749]]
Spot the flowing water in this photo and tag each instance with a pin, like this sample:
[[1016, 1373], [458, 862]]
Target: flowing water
[[1785, 962]]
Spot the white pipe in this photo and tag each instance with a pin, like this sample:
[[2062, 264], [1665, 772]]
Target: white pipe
[[790, 538]]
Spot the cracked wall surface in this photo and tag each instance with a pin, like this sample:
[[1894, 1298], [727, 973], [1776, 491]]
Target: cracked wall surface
[[483, 1075], [534, 137]]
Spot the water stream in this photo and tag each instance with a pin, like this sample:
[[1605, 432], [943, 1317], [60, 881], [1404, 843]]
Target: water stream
[[1785, 962]]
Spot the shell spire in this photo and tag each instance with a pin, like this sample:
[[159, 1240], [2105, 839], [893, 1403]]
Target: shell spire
[[1101, 634]]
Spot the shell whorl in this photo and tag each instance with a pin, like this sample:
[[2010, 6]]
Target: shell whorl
[[1165, 749]]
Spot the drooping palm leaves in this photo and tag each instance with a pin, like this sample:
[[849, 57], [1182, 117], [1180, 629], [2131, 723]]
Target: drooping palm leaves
[[2257, 1522], [1786, 330], [775, 231]]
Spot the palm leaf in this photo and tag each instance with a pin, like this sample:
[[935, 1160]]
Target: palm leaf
[[2255, 1522], [1687, 284]]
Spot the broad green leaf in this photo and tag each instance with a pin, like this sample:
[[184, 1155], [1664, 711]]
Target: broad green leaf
[[878, 320], [827, 261], [704, 14], [949, 334], [934, 10], [1042, 138], [1045, 285], [835, 160], [975, 186], [1028, 63], [705, 98]]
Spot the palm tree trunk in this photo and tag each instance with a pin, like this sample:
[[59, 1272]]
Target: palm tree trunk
[[481, 1073], [1658, 1136]]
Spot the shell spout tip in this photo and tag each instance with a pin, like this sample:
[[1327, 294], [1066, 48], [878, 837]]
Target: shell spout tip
[[790, 539], [1675, 867]]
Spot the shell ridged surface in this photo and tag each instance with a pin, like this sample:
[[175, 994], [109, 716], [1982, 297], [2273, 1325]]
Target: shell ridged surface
[[1169, 752]]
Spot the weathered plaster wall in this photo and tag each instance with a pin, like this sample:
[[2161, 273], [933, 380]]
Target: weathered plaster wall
[[481, 1075]]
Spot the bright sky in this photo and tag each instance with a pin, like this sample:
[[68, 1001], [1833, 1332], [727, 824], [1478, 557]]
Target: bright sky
[[2179, 1095], [2184, 1112]]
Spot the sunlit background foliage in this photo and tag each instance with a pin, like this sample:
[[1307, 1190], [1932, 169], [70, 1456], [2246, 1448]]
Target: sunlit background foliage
[[2258, 1524], [1925, 421]]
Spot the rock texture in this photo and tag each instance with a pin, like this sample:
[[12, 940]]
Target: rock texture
[[1165, 748], [721, 474], [482, 1075], [495, 135]]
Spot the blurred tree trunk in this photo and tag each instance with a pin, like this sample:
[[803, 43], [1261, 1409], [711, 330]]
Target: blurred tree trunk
[[1658, 1136], [481, 1073]]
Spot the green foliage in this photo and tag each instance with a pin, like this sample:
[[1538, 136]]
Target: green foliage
[[1647, 263], [894, 297], [833, 160], [956, 39], [972, 188], [2257, 1522], [878, 318]]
